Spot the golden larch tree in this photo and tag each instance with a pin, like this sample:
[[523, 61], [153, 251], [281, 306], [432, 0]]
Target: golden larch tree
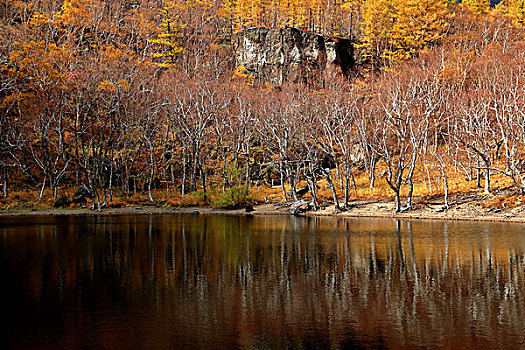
[[168, 40], [480, 7], [515, 9]]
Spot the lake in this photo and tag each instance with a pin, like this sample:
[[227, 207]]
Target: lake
[[261, 282]]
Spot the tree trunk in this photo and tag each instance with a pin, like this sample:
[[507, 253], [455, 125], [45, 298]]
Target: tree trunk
[[397, 207], [372, 172], [334, 193], [478, 176], [312, 184], [354, 185], [487, 178], [247, 178], [203, 174], [410, 194], [291, 180], [183, 185], [40, 193], [5, 182], [445, 186], [151, 176], [110, 187], [193, 178], [172, 174], [54, 187], [347, 194], [127, 178], [224, 173], [104, 195], [281, 173], [92, 181], [340, 176], [77, 157]]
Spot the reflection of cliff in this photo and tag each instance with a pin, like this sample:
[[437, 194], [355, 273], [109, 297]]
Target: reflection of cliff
[[278, 281]]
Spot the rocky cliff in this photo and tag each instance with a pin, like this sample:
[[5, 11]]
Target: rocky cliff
[[284, 54]]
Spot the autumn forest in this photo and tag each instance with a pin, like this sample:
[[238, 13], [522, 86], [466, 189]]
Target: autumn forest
[[142, 101]]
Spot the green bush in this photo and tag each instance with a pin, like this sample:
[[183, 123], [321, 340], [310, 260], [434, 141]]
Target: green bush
[[232, 198]]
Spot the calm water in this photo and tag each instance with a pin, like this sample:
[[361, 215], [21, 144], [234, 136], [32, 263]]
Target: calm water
[[221, 282]]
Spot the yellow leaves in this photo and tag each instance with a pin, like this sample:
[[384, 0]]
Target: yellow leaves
[[110, 57], [450, 73], [106, 86], [241, 74], [168, 41], [123, 84], [479, 7], [267, 87], [112, 53], [201, 3], [397, 30], [514, 9], [72, 16], [111, 62], [79, 13], [39, 20], [39, 63], [8, 101], [320, 16]]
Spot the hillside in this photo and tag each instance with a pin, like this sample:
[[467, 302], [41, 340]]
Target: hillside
[[140, 102]]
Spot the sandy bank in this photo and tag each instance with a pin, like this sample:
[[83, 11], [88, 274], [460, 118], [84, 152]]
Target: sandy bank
[[470, 211]]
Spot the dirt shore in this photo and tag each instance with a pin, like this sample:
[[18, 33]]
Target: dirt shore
[[466, 210]]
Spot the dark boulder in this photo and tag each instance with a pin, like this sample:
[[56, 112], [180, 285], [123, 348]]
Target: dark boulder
[[301, 206], [301, 191], [249, 208], [81, 195], [62, 201]]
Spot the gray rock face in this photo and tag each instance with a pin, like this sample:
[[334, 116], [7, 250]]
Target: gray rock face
[[290, 54]]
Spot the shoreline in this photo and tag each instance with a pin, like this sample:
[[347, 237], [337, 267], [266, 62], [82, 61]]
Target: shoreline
[[360, 209]]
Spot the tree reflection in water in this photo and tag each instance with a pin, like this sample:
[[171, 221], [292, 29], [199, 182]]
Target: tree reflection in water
[[263, 282]]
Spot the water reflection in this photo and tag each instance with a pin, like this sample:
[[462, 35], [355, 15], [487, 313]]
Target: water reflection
[[262, 282]]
